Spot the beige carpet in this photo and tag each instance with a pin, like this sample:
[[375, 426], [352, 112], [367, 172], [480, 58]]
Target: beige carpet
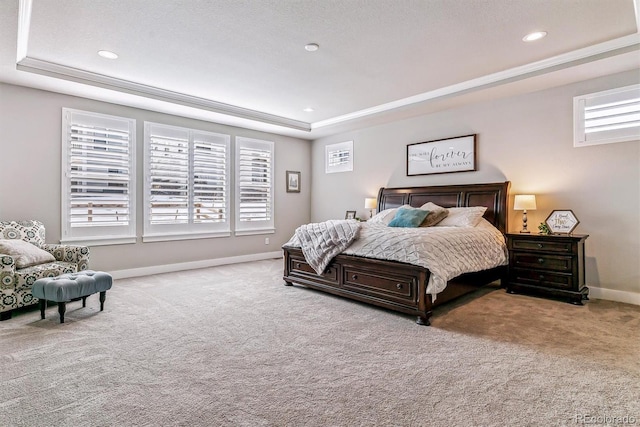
[[231, 346]]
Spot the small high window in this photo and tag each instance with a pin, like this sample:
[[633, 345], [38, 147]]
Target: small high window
[[607, 117]]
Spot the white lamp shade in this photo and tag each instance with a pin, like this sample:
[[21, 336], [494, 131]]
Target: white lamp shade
[[525, 202], [370, 203]]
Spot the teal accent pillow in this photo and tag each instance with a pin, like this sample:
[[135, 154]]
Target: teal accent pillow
[[408, 217]]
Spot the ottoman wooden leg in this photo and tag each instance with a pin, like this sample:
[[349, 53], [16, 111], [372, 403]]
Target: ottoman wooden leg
[[43, 307], [84, 301], [103, 296], [62, 307]]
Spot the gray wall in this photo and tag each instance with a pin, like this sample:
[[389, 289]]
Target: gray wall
[[526, 139], [30, 151]]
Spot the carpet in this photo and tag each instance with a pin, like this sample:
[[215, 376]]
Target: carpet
[[232, 346]]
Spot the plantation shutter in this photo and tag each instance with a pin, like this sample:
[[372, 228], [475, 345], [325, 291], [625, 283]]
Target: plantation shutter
[[187, 183], [339, 157], [99, 176], [210, 183], [168, 172], [606, 117], [254, 176]]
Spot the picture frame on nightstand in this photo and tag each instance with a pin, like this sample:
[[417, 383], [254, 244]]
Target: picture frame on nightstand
[[562, 221]]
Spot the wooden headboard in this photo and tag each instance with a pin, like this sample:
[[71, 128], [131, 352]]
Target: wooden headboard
[[494, 196]]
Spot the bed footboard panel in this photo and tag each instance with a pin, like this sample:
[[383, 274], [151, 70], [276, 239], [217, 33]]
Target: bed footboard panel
[[393, 285]]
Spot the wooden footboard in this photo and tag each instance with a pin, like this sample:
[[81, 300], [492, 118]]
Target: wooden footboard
[[397, 286], [394, 285]]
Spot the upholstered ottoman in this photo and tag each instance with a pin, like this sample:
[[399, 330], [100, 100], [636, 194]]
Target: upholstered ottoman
[[71, 287]]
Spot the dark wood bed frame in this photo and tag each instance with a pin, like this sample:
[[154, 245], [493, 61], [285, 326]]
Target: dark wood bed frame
[[400, 286]]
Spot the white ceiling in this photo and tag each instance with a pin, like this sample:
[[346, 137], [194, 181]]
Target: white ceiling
[[243, 62]]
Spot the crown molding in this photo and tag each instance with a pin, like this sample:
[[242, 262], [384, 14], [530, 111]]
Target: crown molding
[[576, 57], [51, 69]]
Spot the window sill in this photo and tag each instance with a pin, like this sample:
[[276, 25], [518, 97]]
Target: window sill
[[166, 237], [250, 232], [99, 241]]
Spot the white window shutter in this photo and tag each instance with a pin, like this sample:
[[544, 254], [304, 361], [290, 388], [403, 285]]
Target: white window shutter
[[254, 186], [607, 117], [210, 180], [187, 183], [168, 173], [98, 185]]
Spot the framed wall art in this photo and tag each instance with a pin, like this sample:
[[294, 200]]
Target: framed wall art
[[293, 182], [442, 156]]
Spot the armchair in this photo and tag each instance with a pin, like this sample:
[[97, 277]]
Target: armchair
[[16, 282]]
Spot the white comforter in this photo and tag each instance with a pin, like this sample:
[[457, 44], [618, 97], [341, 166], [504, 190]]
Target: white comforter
[[446, 251]]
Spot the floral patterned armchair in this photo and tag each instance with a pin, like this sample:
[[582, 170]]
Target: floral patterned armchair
[[16, 282]]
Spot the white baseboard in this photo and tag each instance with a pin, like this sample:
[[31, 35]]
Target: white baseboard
[[595, 293], [613, 295], [170, 268]]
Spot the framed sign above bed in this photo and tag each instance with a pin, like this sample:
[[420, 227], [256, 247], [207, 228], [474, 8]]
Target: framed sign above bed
[[442, 156]]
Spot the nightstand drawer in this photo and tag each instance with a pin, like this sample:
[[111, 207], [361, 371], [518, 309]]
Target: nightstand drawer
[[540, 245], [541, 278], [542, 261]]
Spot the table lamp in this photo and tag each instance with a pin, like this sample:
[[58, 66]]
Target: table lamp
[[524, 202], [370, 203]]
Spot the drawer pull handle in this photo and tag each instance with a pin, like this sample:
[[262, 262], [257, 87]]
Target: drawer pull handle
[[297, 265], [540, 245], [354, 277], [541, 277], [399, 286], [541, 260]]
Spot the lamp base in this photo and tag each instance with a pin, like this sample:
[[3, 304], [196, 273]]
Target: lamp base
[[525, 232]]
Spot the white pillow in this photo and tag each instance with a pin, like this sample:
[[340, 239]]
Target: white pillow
[[463, 217], [24, 253]]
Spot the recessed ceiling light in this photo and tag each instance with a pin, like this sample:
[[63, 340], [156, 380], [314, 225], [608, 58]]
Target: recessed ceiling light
[[107, 54], [312, 47], [308, 110], [537, 35]]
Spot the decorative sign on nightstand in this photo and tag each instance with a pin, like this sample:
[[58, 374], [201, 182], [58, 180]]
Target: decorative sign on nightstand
[[562, 221]]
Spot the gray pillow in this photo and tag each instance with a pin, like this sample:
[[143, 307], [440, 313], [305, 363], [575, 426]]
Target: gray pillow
[[436, 214], [24, 253]]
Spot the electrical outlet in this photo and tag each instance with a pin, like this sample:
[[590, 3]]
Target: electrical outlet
[[266, 240]]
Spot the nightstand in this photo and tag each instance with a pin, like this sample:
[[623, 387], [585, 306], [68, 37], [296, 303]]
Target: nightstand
[[548, 264]]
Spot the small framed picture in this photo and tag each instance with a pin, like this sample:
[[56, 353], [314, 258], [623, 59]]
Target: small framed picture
[[562, 221], [350, 215], [293, 182]]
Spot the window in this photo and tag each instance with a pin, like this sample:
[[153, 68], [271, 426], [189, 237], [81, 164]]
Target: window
[[98, 183], [606, 117], [254, 186], [186, 183], [339, 157]]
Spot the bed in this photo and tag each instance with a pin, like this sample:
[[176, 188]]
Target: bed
[[401, 286]]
